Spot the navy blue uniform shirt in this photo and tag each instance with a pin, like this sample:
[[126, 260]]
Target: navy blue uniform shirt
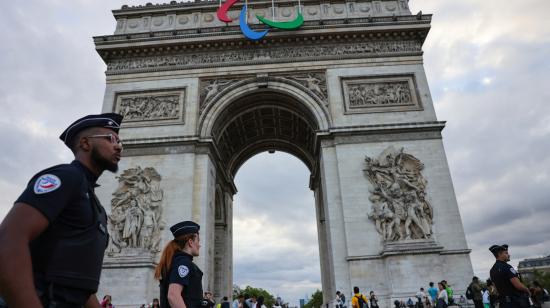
[[69, 253]]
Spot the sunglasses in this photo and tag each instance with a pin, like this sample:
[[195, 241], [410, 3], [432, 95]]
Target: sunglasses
[[113, 138]]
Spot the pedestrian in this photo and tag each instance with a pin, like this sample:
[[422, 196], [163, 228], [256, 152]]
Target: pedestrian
[[432, 290], [340, 299], [238, 302], [358, 300], [512, 293], [443, 296], [486, 298], [251, 301], [493, 293], [208, 300], [449, 289], [107, 302], [537, 293], [53, 239], [476, 292], [155, 303], [373, 300], [260, 302], [420, 295], [180, 278], [225, 302]]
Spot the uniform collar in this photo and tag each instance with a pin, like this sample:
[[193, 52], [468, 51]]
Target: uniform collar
[[185, 254], [89, 175]]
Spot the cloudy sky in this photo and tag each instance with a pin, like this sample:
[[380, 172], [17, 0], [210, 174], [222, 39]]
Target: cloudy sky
[[488, 64]]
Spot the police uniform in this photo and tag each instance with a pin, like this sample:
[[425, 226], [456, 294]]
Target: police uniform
[[67, 257], [501, 273], [183, 271]]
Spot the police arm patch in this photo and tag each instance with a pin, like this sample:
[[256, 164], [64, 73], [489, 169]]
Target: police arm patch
[[513, 271], [183, 271], [46, 183]]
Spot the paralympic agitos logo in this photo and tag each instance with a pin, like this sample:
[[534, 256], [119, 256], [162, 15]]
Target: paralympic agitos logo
[[256, 35]]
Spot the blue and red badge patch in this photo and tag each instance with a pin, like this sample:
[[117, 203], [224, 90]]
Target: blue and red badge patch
[[46, 183]]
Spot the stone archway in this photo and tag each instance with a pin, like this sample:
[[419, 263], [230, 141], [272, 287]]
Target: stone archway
[[253, 117]]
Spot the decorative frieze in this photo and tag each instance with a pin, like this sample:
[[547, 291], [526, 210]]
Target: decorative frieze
[[264, 55], [209, 88], [315, 82], [135, 221], [380, 94], [151, 108], [400, 209]]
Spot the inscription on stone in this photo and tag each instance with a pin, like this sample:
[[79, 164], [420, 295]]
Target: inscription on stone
[[400, 209]]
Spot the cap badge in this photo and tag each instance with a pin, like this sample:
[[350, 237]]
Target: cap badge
[[46, 183]]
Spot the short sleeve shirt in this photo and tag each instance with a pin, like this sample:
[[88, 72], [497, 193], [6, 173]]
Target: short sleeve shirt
[[60, 193], [182, 264], [501, 273]]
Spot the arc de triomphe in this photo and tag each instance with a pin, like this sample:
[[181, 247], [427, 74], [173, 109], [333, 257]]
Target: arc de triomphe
[[346, 93]]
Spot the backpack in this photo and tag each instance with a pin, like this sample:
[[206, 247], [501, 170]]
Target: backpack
[[361, 302], [469, 292]]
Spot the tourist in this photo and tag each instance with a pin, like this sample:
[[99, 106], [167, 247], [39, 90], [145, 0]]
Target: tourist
[[238, 302], [485, 298], [260, 302], [450, 292], [443, 296], [420, 295], [180, 278], [208, 301], [493, 293], [373, 300], [225, 302], [476, 292], [340, 300], [155, 303], [432, 290], [49, 226], [512, 293], [358, 300], [106, 302], [250, 302], [537, 293]]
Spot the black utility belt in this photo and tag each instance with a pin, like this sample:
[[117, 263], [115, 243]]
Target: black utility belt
[[522, 301]]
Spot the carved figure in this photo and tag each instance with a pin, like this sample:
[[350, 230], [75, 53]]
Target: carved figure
[[400, 210], [213, 88], [135, 220], [379, 93], [150, 107]]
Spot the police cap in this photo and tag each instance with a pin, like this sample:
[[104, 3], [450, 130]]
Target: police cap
[[184, 227], [496, 249], [107, 120]]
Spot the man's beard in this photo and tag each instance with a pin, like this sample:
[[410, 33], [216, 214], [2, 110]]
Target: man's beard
[[102, 162]]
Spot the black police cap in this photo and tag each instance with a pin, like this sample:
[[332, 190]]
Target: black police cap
[[184, 227], [107, 120], [495, 249]]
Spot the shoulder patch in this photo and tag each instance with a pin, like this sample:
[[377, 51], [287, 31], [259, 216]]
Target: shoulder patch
[[46, 183], [183, 271], [513, 271]]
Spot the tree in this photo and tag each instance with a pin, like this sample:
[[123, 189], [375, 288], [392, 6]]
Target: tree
[[249, 291], [541, 277], [316, 300]]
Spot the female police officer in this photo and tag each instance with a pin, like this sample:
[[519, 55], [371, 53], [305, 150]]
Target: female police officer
[[180, 279]]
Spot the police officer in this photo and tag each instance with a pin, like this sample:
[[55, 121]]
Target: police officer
[[512, 293], [180, 279], [53, 239]]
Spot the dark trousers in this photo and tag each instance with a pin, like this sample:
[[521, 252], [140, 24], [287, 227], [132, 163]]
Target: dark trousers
[[478, 303]]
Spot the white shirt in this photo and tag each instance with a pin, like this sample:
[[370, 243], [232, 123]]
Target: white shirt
[[443, 295], [485, 296]]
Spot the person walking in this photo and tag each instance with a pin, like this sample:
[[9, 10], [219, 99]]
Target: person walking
[[238, 302], [358, 300], [493, 293], [260, 302], [180, 278], [443, 296], [486, 298], [512, 293], [477, 294], [373, 300], [432, 290], [57, 228], [537, 293], [107, 302]]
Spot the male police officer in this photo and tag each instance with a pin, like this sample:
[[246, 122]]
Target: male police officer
[[180, 278], [53, 239], [512, 293]]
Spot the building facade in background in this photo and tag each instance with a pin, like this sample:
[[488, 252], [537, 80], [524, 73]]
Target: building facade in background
[[345, 92], [528, 267]]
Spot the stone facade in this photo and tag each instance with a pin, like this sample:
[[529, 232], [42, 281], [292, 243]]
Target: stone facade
[[346, 93]]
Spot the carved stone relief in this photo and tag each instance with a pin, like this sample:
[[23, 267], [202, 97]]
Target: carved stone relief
[[400, 209], [209, 88], [380, 94], [314, 82], [158, 106], [275, 54], [136, 222]]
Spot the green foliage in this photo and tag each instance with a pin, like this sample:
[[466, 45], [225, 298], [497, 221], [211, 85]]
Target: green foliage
[[316, 300], [542, 277], [269, 300]]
